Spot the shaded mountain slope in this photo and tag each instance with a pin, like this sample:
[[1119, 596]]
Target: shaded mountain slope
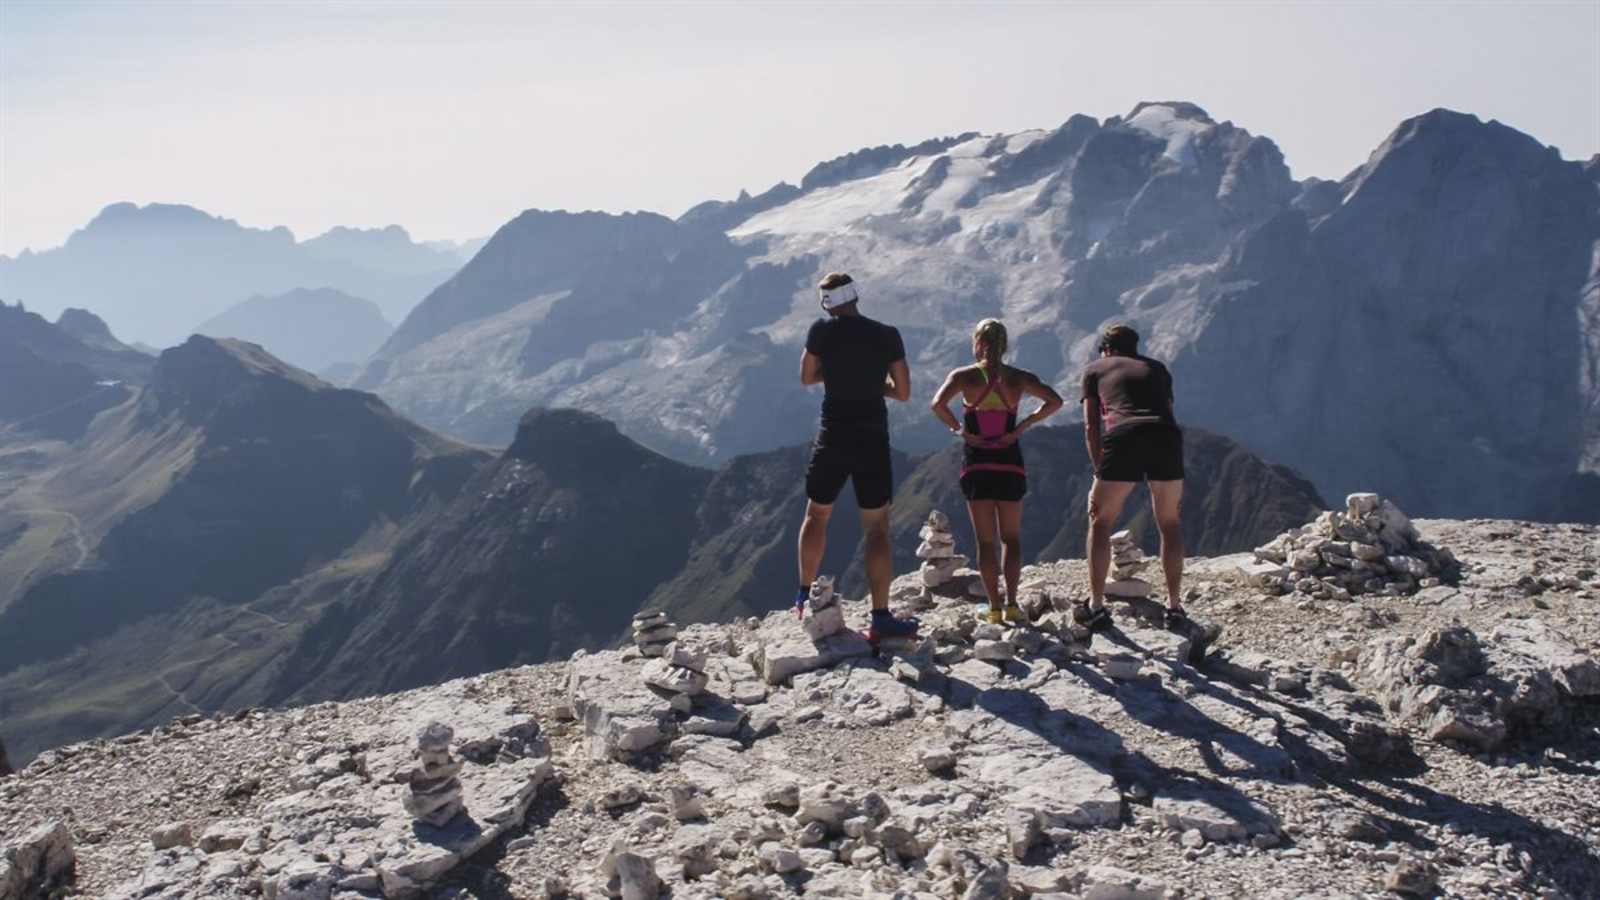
[[164, 558], [54, 378], [549, 549]]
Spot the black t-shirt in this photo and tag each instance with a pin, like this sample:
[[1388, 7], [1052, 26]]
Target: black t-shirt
[[856, 354], [1133, 390]]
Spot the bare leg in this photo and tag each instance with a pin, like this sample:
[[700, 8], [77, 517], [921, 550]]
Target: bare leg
[[1010, 514], [879, 563], [1166, 499], [813, 540], [982, 513], [1105, 505]]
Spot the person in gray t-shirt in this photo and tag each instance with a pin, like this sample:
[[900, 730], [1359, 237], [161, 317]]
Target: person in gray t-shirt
[[1132, 437]]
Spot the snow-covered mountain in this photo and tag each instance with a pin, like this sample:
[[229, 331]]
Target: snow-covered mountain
[[1428, 326]]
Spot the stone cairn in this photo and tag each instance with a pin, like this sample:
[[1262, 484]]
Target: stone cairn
[[823, 616], [653, 633], [938, 551], [680, 671], [1369, 548], [434, 794], [1127, 562]]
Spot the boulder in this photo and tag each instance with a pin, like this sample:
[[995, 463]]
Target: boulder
[[37, 863]]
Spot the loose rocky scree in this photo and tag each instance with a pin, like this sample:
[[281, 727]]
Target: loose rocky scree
[[1437, 742]]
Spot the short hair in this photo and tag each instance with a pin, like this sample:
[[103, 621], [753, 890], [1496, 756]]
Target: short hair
[[1119, 338], [834, 280], [992, 334]]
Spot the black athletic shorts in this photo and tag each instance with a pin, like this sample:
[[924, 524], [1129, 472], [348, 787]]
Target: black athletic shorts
[[857, 455], [1137, 452], [981, 484]]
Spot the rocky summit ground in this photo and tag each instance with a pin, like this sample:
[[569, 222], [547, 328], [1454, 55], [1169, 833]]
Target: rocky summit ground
[[1442, 742]]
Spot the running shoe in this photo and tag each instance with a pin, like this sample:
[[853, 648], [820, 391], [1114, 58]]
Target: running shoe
[[885, 626], [1014, 614]]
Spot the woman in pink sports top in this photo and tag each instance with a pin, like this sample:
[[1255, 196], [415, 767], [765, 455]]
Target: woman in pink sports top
[[993, 477]]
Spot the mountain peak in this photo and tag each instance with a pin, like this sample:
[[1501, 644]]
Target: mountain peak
[[544, 429], [1180, 109], [84, 325], [206, 369]]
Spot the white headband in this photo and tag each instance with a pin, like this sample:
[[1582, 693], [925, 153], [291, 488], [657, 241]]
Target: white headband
[[839, 296]]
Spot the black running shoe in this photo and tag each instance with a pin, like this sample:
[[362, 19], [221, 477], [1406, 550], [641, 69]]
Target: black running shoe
[[885, 626]]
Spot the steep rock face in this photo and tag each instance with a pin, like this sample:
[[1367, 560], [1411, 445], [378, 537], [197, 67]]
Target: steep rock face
[[1443, 295], [549, 549], [155, 271], [1436, 309], [313, 329]]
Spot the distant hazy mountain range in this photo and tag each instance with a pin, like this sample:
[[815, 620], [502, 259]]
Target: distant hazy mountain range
[[227, 530], [155, 272], [1429, 326], [313, 329]]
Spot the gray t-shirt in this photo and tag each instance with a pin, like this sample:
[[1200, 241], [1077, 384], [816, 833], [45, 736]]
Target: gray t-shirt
[[1132, 390]]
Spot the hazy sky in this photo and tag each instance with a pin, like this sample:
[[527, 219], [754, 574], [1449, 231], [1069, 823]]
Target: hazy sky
[[451, 118]]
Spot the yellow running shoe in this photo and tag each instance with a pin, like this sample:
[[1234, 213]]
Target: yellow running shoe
[[994, 617], [1014, 614]]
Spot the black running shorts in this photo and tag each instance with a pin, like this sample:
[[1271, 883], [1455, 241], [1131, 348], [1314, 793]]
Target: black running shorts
[[857, 455], [1137, 452], [981, 484]]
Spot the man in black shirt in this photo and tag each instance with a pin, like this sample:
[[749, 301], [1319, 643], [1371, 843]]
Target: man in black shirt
[[1132, 437], [858, 362]]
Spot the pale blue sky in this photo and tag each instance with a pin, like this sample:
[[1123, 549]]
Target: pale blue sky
[[451, 118]]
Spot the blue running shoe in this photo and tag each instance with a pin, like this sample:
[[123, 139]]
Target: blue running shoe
[[800, 596]]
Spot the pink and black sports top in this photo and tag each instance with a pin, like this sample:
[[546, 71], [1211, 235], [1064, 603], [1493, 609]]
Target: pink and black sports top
[[991, 418]]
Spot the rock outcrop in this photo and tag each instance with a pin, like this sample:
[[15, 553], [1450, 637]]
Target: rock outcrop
[[37, 864], [1524, 681]]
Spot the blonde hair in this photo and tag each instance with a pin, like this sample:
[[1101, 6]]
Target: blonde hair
[[991, 333]]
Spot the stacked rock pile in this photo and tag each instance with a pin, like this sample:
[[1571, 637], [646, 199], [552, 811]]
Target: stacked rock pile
[[938, 551], [434, 794], [680, 670], [1127, 561], [823, 617], [653, 632], [1369, 548]]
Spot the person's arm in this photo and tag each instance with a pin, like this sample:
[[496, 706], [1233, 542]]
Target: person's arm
[[941, 402], [1091, 428], [898, 385], [1050, 401], [810, 368]]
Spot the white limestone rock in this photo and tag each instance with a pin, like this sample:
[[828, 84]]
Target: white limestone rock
[[1130, 589], [677, 679], [620, 715]]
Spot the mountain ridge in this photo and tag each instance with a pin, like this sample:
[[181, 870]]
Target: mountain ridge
[[1189, 228]]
